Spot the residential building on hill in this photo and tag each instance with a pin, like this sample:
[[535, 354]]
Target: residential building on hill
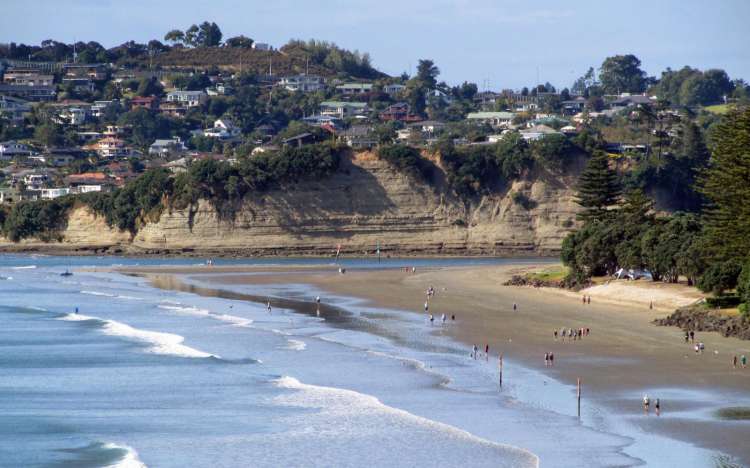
[[354, 88], [30, 93], [304, 83], [400, 112], [343, 109], [494, 119]]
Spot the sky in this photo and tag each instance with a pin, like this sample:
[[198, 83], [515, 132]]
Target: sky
[[495, 44]]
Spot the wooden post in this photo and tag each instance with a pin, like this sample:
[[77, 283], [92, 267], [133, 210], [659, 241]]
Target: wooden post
[[579, 397], [501, 370]]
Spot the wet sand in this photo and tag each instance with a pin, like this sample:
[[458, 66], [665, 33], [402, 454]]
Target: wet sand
[[624, 356]]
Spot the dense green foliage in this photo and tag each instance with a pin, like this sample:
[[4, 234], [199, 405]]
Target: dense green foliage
[[219, 182], [691, 87], [406, 159], [598, 188], [710, 250]]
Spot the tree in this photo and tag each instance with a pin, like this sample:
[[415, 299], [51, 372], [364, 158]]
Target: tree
[[241, 42], [49, 134], [208, 35], [149, 87], [191, 36], [175, 36], [726, 186], [720, 276], [427, 72], [582, 84], [598, 188], [622, 74]]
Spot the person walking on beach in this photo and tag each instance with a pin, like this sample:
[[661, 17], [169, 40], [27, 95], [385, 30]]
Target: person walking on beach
[[734, 361], [551, 359], [426, 306], [76, 310], [453, 317], [584, 299], [443, 318], [432, 319], [743, 360], [687, 337], [554, 333], [646, 403], [268, 306], [515, 307], [546, 359], [474, 350], [692, 336], [487, 352], [657, 407]]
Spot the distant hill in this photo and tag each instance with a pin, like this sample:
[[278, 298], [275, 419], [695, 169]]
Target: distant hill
[[291, 59]]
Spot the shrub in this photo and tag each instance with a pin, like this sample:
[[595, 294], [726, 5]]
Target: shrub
[[720, 277], [521, 199], [41, 218], [405, 159]]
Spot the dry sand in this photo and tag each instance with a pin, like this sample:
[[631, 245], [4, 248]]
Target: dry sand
[[624, 356]]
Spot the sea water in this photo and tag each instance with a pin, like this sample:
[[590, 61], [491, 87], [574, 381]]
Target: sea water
[[148, 377]]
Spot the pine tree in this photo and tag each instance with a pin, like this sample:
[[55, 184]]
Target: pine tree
[[726, 185], [598, 188]]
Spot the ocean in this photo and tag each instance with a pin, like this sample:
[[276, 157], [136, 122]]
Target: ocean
[[141, 376]]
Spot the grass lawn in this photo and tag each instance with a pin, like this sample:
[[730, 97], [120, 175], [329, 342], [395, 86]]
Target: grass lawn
[[555, 273], [718, 108]]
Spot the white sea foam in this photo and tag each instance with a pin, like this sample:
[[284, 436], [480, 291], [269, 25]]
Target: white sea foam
[[195, 311], [26, 267], [40, 309], [98, 293], [296, 345], [350, 405], [160, 342], [129, 460]]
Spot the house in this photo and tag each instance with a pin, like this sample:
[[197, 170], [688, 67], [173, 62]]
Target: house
[[343, 109], [87, 179], [98, 108], [223, 129], [145, 102], [111, 147], [494, 119], [261, 46], [354, 88], [304, 83], [27, 78], [428, 128], [400, 112], [35, 181], [187, 99], [627, 100], [537, 132], [167, 147], [324, 121], [220, 90], [30, 93], [92, 71], [50, 193], [177, 166], [264, 149], [13, 108], [87, 137], [11, 149], [393, 89], [80, 84], [359, 136], [573, 106]]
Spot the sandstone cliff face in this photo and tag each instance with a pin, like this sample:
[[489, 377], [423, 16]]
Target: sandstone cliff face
[[366, 202]]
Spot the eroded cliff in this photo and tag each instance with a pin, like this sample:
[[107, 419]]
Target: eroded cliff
[[364, 203]]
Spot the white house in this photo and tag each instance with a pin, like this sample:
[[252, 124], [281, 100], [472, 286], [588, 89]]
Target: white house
[[223, 129], [537, 132], [11, 149], [342, 109], [495, 119], [50, 193], [354, 88], [262, 46], [187, 98], [304, 83], [165, 147]]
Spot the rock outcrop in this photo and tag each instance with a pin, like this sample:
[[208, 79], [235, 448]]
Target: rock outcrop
[[365, 203], [699, 318]]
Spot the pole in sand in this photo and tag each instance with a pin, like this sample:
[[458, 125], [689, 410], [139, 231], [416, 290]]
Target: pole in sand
[[579, 398], [501, 370]]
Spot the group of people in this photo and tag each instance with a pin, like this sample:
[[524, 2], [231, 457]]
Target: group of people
[[571, 333], [647, 405], [586, 299], [407, 269], [549, 359], [443, 318]]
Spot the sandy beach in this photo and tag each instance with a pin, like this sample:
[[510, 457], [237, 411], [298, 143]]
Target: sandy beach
[[624, 357]]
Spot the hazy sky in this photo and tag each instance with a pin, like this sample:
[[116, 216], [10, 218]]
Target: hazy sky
[[503, 42]]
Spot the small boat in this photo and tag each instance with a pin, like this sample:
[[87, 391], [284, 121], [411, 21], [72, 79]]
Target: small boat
[[66, 273]]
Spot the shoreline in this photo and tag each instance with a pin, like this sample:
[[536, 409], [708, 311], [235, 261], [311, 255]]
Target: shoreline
[[614, 371]]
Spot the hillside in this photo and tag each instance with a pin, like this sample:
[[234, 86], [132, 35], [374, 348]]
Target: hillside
[[363, 203]]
